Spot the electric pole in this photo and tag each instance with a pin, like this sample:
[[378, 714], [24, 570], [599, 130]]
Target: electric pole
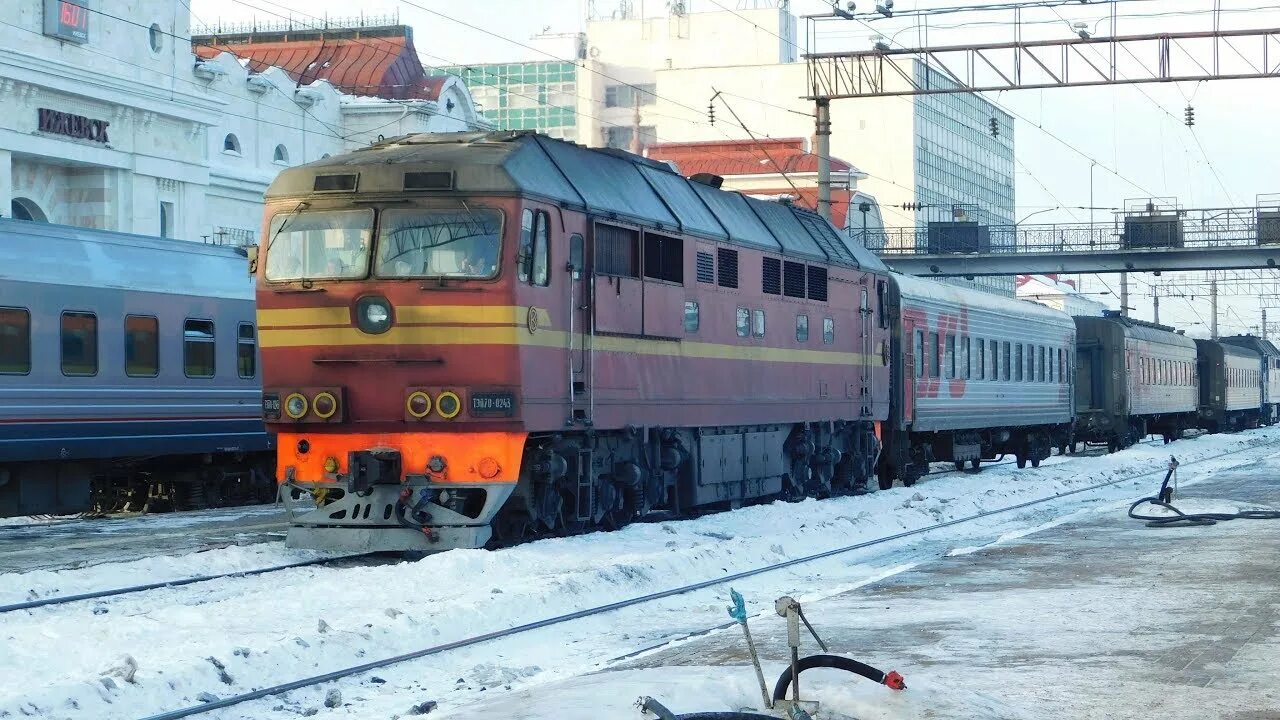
[[1124, 295], [1155, 304], [822, 131], [1213, 308]]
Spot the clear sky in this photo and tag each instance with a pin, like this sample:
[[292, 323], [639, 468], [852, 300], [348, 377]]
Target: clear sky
[[1132, 136]]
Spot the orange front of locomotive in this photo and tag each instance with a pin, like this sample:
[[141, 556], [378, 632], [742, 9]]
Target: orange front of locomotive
[[390, 354]]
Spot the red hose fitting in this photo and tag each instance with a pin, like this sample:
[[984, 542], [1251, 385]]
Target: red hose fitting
[[894, 680]]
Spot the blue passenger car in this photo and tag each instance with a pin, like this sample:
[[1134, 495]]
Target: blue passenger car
[[128, 368]]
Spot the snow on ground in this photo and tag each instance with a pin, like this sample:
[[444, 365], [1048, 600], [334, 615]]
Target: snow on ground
[[228, 636]]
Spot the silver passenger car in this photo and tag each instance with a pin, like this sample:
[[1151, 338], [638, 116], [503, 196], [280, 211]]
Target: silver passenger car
[[122, 355]]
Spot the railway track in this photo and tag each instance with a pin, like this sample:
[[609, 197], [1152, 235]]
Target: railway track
[[1250, 455]]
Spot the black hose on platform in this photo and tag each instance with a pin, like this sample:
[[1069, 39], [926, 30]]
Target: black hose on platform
[[657, 708], [890, 679], [1163, 497]]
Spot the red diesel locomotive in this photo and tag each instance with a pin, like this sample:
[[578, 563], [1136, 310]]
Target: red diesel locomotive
[[477, 334]]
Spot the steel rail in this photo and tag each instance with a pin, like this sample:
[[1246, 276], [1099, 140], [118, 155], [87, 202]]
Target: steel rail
[[64, 599], [630, 602]]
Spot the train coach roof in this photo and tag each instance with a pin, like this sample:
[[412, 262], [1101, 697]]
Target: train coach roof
[[1233, 350], [608, 183], [1253, 342], [1140, 330], [63, 255], [914, 288]]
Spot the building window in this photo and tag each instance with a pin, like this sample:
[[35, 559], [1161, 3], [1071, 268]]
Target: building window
[[618, 138], [15, 341], [79, 343], [247, 351], [828, 331], [691, 316], [141, 346], [744, 322], [198, 348], [231, 144], [802, 328], [281, 154], [757, 323], [625, 96], [166, 219], [156, 37], [26, 209]]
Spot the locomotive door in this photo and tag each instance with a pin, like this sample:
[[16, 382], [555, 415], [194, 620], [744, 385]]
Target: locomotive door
[[864, 327], [580, 330]]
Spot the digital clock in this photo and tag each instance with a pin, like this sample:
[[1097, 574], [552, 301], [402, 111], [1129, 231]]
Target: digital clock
[[67, 20]]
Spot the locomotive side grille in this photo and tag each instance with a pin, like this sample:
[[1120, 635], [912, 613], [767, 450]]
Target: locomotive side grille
[[728, 263], [793, 279], [817, 283], [706, 268], [772, 280], [617, 251]]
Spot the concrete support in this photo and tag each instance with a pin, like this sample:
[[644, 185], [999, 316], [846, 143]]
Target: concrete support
[[1155, 304], [1264, 323], [1124, 294], [1213, 308], [822, 132]]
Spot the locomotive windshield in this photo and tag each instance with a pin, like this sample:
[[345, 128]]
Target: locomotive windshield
[[320, 245], [439, 243]]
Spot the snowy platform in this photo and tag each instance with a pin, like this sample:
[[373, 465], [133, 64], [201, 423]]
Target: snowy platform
[[1102, 617]]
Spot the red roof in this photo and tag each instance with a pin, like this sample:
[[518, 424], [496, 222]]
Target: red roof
[[381, 63], [743, 157]]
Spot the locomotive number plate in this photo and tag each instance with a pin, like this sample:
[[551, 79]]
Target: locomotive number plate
[[271, 407], [493, 404]]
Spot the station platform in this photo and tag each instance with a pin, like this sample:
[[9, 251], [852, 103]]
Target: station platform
[[1099, 617]]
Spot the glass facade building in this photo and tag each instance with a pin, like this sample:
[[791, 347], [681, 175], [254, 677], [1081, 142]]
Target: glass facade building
[[963, 161], [525, 96]]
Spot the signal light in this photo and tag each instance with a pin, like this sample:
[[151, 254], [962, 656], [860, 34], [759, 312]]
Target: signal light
[[418, 405], [324, 405], [448, 404], [295, 406]]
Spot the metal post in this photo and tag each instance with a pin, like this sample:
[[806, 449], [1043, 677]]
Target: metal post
[[823, 134], [1155, 304], [1213, 308], [1264, 323], [1124, 294]]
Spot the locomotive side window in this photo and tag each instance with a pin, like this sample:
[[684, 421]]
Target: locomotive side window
[[617, 251], [757, 323], [802, 328], [541, 249], [918, 346], [692, 318], [828, 331], [198, 348], [319, 245], [934, 367], [664, 258], [882, 300], [444, 244], [15, 341], [141, 346], [744, 322], [965, 365], [247, 351], [79, 343]]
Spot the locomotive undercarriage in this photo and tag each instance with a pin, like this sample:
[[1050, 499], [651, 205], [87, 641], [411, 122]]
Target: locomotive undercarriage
[[577, 482]]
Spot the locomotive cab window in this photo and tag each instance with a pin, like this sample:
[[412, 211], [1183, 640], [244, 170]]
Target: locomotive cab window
[[15, 341], [247, 351], [79, 343], [141, 346], [319, 245], [460, 244], [198, 348]]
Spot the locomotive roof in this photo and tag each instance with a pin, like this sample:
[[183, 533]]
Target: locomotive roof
[[1140, 330], [917, 288], [83, 257], [608, 183]]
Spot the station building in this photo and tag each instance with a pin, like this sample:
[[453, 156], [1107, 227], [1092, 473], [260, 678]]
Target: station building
[[112, 121]]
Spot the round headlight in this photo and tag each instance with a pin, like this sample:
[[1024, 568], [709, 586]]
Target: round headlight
[[418, 405], [324, 405], [448, 404], [373, 314], [295, 406]]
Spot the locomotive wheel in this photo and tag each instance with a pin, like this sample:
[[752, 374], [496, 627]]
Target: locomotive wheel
[[1022, 462], [959, 465], [1035, 462], [975, 463]]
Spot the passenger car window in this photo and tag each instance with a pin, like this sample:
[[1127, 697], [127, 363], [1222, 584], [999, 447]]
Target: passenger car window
[[247, 351], [79, 343], [932, 350], [198, 348], [949, 361], [982, 359], [441, 243], [918, 347], [15, 341], [141, 346], [1007, 361]]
